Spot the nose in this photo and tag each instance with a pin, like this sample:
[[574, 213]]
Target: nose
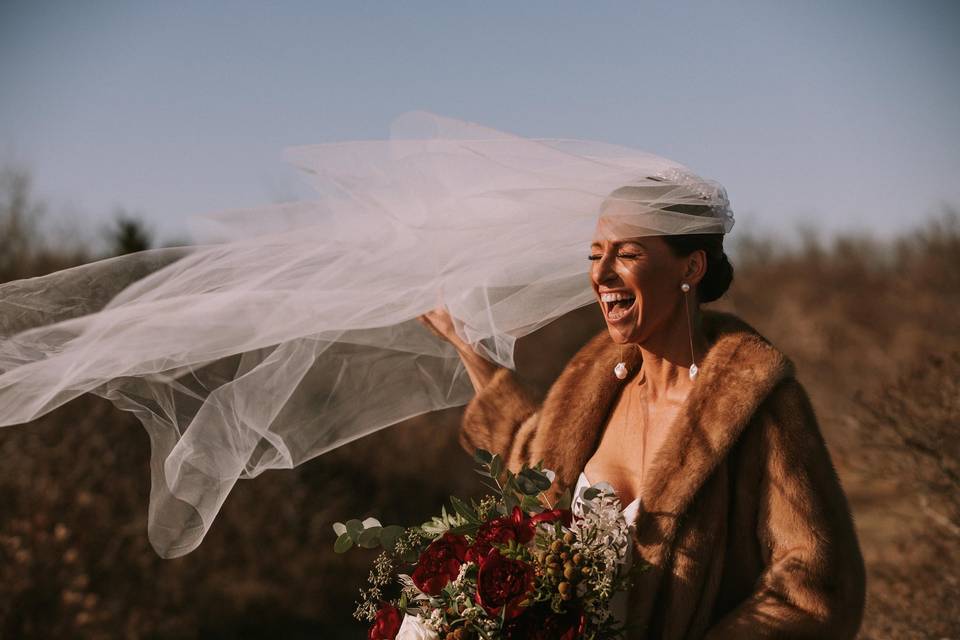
[[602, 271]]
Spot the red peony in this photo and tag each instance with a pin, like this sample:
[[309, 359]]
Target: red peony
[[502, 584], [500, 531], [440, 563], [387, 623]]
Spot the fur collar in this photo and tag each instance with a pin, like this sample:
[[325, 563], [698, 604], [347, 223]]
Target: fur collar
[[738, 371]]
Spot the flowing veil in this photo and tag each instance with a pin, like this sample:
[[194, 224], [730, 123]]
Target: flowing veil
[[291, 330]]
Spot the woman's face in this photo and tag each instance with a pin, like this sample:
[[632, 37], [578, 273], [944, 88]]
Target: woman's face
[[637, 282]]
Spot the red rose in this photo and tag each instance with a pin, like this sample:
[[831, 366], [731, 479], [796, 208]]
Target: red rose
[[502, 584], [502, 530], [386, 624], [541, 623], [440, 563]]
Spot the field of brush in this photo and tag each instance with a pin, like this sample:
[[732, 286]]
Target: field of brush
[[872, 326]]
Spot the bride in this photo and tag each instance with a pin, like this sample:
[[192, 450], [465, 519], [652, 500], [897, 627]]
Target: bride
[[702, 428]]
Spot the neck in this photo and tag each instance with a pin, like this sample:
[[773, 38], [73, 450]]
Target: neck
[[667, 358]]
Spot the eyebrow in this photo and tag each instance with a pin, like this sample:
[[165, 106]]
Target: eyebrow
[[637, 241]]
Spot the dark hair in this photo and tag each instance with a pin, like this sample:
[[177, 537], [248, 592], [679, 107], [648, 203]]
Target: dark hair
[[719, 273]]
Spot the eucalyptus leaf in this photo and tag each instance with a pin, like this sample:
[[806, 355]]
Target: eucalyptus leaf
[[370, 538], [343, 543], [354, 528], [339, 528], [590, 493], [538, 478], [482, 456], [371, 522], [527, 486], [496, 466], [389, 536]]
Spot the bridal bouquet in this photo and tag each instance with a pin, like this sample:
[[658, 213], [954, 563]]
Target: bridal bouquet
[[508, 566]]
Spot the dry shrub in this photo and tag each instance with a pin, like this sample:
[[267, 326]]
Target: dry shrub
[[23, 252], [75, 560], [74, 485], [911, 451]]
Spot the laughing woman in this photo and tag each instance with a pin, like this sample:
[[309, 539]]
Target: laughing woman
[[699, 423]]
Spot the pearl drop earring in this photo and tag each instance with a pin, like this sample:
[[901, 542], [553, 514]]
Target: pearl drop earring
[[621, 369], [693, 367]]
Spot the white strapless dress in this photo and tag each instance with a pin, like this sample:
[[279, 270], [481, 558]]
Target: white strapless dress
[[618, 603]]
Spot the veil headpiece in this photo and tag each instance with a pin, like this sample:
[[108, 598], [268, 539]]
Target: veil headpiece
[[291, 329]]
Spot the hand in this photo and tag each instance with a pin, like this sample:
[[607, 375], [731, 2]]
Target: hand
[[439, 321], [479, 369]]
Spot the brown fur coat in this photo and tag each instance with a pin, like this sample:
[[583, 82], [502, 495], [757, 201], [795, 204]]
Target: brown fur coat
[[743, 519]]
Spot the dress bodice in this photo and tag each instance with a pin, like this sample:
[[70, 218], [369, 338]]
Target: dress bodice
[[618, 604], [629, 512]]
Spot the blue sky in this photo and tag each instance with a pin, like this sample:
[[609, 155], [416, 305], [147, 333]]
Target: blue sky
[[837, 115]]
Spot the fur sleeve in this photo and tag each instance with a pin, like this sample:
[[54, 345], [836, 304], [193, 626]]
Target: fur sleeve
[[492, 420], [813, 585]]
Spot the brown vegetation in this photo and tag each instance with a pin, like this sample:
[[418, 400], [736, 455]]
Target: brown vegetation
[[872, 327]]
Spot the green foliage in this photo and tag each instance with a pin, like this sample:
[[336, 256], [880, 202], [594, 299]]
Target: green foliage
[[366, 534], [438, 525], [523, 489]]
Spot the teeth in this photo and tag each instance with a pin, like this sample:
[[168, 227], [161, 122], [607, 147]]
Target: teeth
[[614, 297]]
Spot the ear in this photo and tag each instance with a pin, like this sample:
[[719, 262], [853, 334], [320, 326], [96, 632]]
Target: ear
[[696, 267]]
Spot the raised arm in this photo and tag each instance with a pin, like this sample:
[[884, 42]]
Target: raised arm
[[493, 419], [813, 586], [501, 418]]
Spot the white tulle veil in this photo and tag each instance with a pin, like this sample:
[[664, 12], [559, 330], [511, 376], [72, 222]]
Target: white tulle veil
[[292, 330]]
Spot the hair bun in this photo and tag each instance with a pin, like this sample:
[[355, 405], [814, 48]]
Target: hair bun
[[717, 279]]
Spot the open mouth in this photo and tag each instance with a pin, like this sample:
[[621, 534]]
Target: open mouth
[[617, 305]]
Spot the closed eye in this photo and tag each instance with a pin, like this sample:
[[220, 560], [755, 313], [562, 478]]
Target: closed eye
[[628, 256]]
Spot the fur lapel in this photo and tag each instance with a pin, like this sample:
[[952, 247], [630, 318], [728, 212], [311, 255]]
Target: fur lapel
[[738, 371]]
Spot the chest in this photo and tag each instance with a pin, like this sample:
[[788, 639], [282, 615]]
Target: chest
[[634, 431]]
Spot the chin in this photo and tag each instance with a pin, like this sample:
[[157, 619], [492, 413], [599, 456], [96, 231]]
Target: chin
[[623, 335]]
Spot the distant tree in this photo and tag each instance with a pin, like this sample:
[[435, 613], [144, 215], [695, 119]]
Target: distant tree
[[19, 212], [128, 235]]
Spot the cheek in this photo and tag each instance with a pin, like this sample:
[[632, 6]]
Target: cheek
[[642, 277], [652, 286]]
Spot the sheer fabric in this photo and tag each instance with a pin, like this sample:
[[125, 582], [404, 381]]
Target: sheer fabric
[[291, 329]]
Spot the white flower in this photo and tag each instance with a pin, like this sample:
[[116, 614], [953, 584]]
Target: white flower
[[415, 628]]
